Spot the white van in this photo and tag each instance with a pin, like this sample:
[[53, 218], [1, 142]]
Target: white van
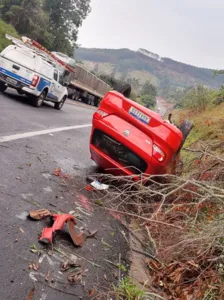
[[29, 73]]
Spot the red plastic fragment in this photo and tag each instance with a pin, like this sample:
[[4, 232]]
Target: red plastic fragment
[[59, 221]]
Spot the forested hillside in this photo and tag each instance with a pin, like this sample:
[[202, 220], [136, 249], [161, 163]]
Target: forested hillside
[[136, 68]]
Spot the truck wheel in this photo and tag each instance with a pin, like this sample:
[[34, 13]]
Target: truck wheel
[[73, 96], [38, 101], [96, 102], [20, 92], [59, 105], [3, 87]]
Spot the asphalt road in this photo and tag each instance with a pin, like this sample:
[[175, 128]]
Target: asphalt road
[[33, 142], [160, 108]]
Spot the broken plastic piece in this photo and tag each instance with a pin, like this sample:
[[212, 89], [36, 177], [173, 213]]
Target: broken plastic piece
[[78, 239], [89, 188], [59, 221], [99, 186], [39, 214]]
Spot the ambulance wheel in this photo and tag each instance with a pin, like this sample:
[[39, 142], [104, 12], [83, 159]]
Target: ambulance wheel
[[59, 105], [39, 100]]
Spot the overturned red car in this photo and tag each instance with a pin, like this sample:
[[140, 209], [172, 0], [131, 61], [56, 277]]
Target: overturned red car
[[129, 139]]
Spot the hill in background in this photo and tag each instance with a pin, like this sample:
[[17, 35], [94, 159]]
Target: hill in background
[[137, 67]]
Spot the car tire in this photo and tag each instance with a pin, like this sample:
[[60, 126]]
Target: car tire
[[124, 89], [3, 87], [38, 101], [59, 105], [186, 127]]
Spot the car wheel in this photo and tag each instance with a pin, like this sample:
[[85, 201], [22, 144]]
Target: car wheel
[[38, 101], [3, 87], [73, 96], [59, 105], [123, 88], [186, 128]]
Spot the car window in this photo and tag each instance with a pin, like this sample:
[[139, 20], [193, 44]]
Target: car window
[[61, 81], [55, 75], [46, 69]]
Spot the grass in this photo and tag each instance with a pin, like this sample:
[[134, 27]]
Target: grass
[[6, 28], [208, 129], [209, 124], [128, 291]]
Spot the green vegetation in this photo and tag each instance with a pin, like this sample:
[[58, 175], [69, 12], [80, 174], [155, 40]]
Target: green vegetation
[[5, 28], [128, 291], [53, 23], [198, 97], [148, 95], [206, 109]]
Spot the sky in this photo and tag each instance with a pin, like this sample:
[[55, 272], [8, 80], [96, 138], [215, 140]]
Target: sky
[[190, 31]]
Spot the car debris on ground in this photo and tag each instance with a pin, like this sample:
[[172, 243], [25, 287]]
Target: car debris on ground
[[99, 186], [39, 214], [95, 184], [59, 221]]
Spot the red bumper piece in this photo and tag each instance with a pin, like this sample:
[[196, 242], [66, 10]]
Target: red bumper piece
[[59, 221]]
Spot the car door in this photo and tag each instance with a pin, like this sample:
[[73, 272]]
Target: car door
[[54, 93], [61, 87]]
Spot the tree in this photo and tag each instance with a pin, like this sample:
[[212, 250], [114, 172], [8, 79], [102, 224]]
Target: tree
[[148, 89], [53, 23], [28, 17], [65, 19], [148, 95], [197, 98], [148, 101], [6, 28]]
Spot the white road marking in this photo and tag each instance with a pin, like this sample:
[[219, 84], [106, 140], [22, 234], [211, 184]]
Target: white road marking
[[24, 135]]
